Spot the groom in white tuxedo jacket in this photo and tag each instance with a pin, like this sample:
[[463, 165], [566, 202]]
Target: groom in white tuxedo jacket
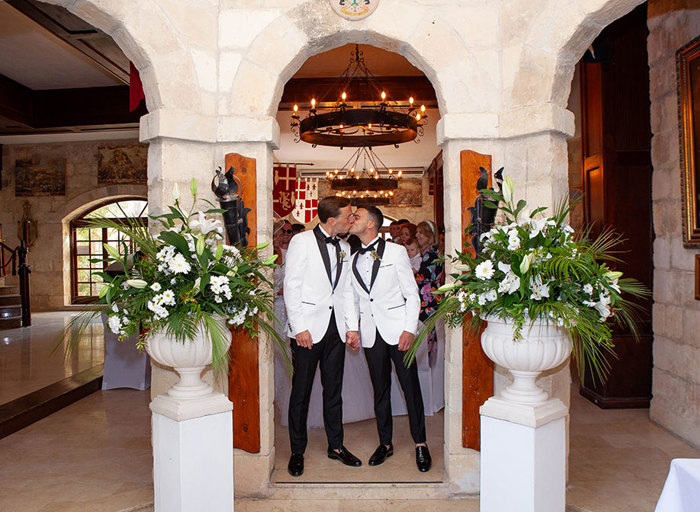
[[316, 289], [386, 307]]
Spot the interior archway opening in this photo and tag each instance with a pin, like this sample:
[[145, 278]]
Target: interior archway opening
[[301, 176]]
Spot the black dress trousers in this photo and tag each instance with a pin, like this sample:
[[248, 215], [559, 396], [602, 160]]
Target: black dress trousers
[[379, 358], [330, 354]]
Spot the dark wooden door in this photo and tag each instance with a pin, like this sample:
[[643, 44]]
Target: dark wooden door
[[616, 137]]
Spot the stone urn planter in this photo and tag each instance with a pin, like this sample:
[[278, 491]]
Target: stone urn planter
[[188, 359], [542, 347]]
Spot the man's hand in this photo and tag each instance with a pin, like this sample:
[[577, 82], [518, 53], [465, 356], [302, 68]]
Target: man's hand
[[352, 340], [304, 339], [405, 341]]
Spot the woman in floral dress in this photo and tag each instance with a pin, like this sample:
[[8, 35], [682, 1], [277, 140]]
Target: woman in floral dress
[[428, 277]]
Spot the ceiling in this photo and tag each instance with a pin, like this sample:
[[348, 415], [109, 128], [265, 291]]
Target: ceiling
[[52, 57], [36, 58]]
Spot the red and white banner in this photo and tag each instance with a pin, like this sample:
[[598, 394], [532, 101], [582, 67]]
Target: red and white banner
[[307, 200], [284, 189]]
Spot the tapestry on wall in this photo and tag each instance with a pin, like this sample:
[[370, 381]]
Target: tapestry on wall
[[409, 193], [118, 165], [40, 177]]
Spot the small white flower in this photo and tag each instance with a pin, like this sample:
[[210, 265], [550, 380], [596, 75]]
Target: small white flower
[[484, 270], [156, 287], [513, 243], [168, 297], [179, 264], [510, 284], [603, 306], [173, 281], [589, 303], [115, 324], [115, 308], [491, 295], [218, 299], [588, 288], [482, 299], [539, 289]]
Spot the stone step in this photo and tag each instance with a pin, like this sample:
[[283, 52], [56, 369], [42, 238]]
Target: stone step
[[8, 290], [24, 411], [10, 300], [12, 322]]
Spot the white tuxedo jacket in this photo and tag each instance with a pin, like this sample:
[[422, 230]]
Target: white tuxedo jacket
[[389, 304], [309, 296]]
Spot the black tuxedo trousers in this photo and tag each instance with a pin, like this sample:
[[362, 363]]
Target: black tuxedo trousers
[[329, 353], [379, 358]]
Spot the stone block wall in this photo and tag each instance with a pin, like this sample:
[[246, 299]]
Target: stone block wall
[[676, 378], [48, 258]]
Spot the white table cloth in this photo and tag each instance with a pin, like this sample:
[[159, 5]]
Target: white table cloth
[[681, 491]]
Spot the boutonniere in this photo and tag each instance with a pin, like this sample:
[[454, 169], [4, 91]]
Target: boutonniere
[[342, 255], [375, 255]]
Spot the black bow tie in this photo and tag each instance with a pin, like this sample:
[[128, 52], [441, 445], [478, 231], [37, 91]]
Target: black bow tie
[[332, 240], [369, 248]]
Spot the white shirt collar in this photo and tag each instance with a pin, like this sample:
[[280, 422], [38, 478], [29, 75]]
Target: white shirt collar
[[373, 241]]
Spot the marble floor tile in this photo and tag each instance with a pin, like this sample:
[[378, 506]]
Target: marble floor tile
[[26, 359], [95, 455]]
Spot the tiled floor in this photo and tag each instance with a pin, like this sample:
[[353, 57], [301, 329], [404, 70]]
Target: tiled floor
[[26, 361], [95, 456], [361, 439]]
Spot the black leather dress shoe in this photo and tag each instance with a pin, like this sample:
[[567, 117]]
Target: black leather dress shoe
[[296, 464], [423, 459], [344, 456], [381, 454]]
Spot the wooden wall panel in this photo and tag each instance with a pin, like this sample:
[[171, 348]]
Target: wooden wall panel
[[477, 369], [243, 377]]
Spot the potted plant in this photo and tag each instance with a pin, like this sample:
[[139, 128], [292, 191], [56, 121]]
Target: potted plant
[[544, 291], [180, 290]]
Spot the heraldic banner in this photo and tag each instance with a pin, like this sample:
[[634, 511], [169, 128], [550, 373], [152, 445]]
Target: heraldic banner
[[284, 189], [307, 200]]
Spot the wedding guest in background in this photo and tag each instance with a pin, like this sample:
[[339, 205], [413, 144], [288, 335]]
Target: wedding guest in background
[[414, 254], [286, 234], [400, 223], [428, 276], [394, 229], [408, 231], [297, 228]]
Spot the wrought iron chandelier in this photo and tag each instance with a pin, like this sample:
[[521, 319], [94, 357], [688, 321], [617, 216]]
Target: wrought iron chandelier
[[342, 122], [364, 176]]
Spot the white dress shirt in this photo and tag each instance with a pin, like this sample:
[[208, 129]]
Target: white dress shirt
[[365, 263], [332, 254]]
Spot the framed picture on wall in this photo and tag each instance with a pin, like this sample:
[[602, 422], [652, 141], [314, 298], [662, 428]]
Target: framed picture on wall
[[688, 72]]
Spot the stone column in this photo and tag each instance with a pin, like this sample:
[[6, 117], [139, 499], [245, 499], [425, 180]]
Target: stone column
[[192, 453], [523, 456]]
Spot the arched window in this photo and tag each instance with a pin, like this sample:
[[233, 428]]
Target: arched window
[[88, 244]]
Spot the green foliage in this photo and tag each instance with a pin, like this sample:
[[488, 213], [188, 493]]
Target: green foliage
[[534, 268], [182, 276]]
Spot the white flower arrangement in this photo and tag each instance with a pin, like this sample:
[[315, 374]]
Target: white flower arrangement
[[206, 279], [534, 268]]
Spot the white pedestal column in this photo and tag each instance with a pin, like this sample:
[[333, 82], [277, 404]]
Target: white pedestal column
[[192, 454], [523, 456]]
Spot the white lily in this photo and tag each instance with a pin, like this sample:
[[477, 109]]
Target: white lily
[[136, 283], [205, 225]]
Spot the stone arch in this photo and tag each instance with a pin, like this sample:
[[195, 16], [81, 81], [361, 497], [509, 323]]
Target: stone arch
[[313, 28], [559, 36], [149, 38], [81, 204]]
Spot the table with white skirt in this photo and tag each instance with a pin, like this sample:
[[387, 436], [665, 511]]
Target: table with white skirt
[[358, 397], [681, 491]]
